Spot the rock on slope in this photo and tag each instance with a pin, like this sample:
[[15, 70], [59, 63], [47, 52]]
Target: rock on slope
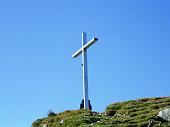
[[135, 113]]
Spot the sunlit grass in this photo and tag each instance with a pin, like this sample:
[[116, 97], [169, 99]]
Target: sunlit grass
[[135, 113]]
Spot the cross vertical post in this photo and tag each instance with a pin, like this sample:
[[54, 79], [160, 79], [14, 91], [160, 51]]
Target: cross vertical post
[[85, 71]]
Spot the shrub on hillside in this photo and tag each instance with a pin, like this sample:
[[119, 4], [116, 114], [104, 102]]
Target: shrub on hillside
[[51, 113]]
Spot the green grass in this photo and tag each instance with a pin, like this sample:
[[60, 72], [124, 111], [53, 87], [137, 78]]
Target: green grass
[[134, 113]]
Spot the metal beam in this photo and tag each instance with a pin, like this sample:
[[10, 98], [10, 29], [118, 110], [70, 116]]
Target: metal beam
[[85, 72], [86, 46]]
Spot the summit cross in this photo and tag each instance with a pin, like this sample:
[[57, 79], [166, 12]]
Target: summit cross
[[83, 51]]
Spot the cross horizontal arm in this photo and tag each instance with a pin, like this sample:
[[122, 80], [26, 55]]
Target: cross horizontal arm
[[86, 46]]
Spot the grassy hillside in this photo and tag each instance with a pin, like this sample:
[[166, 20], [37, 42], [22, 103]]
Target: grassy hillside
[[135, 113]]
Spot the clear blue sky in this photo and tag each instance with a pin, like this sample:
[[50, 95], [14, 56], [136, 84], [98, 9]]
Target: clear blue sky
[[37, 38]]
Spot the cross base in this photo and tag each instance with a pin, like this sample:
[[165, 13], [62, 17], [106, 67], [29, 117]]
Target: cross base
[[82, 105]]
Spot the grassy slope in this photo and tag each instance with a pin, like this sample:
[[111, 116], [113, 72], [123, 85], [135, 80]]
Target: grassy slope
[[135, 113]]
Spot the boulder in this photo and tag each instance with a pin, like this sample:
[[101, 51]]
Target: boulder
[[165, 114]]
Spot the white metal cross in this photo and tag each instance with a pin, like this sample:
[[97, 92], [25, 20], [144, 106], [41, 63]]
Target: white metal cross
[[83, 51]]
